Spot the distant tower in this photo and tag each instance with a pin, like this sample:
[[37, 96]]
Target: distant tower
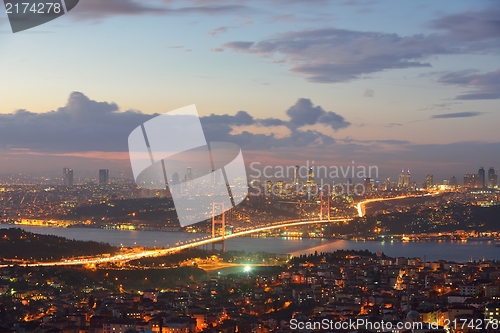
[[368, 185], [492, 178], [68, 177], [175, 181], [310, 176], [407, 179], [296, 175], [189, 174], [453, 181], [474, 180], [468, 180], [401, 179], [429, 181], [481, 181], [269, 187], [388, 184], [103, 176]]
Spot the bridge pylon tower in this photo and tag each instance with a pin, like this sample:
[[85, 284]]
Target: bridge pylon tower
[[324, 206], [221, 221]]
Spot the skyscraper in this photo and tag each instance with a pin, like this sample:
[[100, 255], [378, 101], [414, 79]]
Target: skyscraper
[[474, 180], [453, 181], [68, 177], [429, 181], [368, 185], [492, 178], [296, 175], [468, 180], [103, 176], [388, 184], [401, 179], [269, 187], [481, 181], [407, 179], [310, 176], [189, 174], [176, 179]]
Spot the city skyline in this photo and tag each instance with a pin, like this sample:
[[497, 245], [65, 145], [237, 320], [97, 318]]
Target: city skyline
[[423, 93], [296, 177]]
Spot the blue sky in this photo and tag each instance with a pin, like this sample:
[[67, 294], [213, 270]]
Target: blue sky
[[400, 84]]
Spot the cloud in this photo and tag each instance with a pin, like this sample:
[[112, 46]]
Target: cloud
[[393, 125], [241, 118], [487, 85], [239, 46], [85, 132], [283, 17], [97, 9], [332, 55], [365, 142], [336, 55], [272, 122], [457, 115], [439, 106], [471, 26], [359, 3], [215, 32], [85, 125], [369, 93], [81, 125], [304, 113]]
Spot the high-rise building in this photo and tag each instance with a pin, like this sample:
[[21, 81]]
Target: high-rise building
[[468, 181], [368, 185], [453, 181], [481, 180], [429, 181], [176, 179], [269, 187], [407, 179], [388, 184], [296, 175], [189, 174], [474, 180], [68, 177], [401, 179], [310, 176], [279, 187], [492, 178], [103, 176]]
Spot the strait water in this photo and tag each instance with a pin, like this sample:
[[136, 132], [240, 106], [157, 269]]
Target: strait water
[[432, 250]]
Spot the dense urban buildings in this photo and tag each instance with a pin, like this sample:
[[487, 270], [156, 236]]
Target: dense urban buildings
[[343, 286], [480, 180]]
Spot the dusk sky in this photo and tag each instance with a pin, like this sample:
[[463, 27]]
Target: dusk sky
[[388, 83]]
